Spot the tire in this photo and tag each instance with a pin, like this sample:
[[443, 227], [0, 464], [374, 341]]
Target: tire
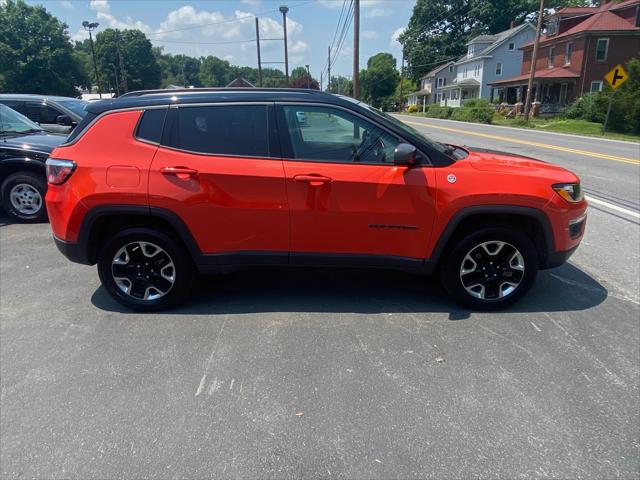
[[505, 254], [23, 197], [146, 270]]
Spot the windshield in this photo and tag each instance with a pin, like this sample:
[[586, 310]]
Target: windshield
[[11, 122], [76, 106], [402, 126]]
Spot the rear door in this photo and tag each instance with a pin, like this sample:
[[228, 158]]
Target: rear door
[[345, 194], [220, 171]]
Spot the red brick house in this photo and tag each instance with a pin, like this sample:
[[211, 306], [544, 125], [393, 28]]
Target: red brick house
[[579, 47]]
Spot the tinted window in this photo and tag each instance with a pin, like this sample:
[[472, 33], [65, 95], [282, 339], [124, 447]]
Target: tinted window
[[150, 127], [226, 130], [334, 135], [41, 113], [17, 105], [76, 106]]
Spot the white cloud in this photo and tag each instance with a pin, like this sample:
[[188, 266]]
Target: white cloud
[[252, 3], [66, 4], [369, 34], [299, 47], [394, 37], [377, 12], [100, 6], [128, 23]]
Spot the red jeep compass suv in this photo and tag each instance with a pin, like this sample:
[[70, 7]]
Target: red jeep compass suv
[[156, 186]]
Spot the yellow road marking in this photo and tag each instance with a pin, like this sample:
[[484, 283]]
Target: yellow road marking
[[534, 144]]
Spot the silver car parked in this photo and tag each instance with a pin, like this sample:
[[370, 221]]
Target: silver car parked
[[54, 114]]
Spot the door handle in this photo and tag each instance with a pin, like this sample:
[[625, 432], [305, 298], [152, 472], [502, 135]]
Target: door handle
[[313, 180], [180, 172]]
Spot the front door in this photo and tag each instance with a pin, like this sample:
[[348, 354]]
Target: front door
[[218, 171], [345, 194]]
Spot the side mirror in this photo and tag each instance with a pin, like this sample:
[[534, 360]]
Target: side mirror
[[405, 154], [64, 120]]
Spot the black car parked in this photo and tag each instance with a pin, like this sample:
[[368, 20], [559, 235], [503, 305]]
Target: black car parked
[[24, 147]]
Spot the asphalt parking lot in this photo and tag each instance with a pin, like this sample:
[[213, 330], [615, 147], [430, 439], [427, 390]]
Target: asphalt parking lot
[[312, 373]]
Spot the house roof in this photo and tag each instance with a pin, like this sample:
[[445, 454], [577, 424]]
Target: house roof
[[557, 72], [437, 69], [496, 40], [602, 19], [240, 82], [467, 82]]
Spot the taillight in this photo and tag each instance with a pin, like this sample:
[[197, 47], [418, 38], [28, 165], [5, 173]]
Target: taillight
[[59, 171]]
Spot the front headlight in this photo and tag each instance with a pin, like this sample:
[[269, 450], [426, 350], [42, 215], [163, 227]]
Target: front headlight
[[571, 192]]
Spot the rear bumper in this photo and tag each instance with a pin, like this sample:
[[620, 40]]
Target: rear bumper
[[73, 251]]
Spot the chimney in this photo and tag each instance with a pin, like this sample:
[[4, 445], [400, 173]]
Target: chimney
[[513, 24]]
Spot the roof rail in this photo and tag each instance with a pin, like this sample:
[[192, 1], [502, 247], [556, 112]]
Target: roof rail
[[140, 93]]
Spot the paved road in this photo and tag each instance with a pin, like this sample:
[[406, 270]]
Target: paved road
[[321, 373]]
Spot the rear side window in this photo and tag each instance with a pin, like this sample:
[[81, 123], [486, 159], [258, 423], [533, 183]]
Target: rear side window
[[238, 130], [88, 118], [151, 124]]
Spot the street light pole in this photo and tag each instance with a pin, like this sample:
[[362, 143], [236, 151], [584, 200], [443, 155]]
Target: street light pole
[[89, 26], [284, 9], [356, 49], [308, 77]]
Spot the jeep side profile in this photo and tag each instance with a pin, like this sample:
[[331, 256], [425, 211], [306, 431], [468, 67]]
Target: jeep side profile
[[156, 186]]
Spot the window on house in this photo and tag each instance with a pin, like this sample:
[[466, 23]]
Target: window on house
[[450, 68], [550, 60], [470, 51], [499, 68], [602, 48], [441, 82], [596, 86], [512, 46], [464, 73], [476, 71], [568, 50]]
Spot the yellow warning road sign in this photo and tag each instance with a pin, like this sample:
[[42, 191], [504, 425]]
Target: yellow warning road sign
[[616, 77]]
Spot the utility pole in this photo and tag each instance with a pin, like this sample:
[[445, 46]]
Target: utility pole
[[259, 61], [534, 59], [89, 26], [321, 80], [401, 99], [123, 73], [356, 49], [284, 9], [329, 70], [308, 77], [115, 73]]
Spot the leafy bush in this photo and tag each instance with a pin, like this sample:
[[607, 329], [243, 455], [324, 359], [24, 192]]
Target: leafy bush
[[591, 107], [476, 110], [436, 111], [412, 109]]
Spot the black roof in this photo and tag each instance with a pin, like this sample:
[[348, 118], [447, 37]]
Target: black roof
[[147, 98]]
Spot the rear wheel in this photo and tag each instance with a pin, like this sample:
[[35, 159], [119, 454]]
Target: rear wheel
[[145, 270], [490, 269], [23, 197]]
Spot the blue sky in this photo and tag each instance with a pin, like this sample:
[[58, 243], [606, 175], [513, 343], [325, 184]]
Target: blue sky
[[311, 26]]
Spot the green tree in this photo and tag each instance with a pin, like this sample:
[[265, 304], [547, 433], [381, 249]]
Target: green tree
[[141, 69], [300, 78], [214, 72], [36, 55], [342, 85], [379, 81]]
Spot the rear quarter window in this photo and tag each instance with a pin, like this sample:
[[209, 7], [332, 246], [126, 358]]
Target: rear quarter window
[[151, 125], [235, 130]]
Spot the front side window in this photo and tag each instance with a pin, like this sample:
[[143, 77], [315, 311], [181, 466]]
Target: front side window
[[327, 134], [602, 48], [498, 68], [238, 130], [42, 113]]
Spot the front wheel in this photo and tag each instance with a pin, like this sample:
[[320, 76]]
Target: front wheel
[[490, 269], [145, 270]]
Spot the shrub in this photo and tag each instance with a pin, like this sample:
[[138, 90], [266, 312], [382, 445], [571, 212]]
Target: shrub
[[412, 109], [476, 110], [436, 111]]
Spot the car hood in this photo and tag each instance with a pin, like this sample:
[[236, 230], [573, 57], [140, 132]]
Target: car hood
[[494, 161], [35, 142]]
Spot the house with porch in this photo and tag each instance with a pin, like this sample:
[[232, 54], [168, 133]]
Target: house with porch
[[432, 84], [488, 57], [579, 47]]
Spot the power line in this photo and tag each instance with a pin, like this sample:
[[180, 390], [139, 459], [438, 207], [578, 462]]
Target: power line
[[215, 43], [338, 38]]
